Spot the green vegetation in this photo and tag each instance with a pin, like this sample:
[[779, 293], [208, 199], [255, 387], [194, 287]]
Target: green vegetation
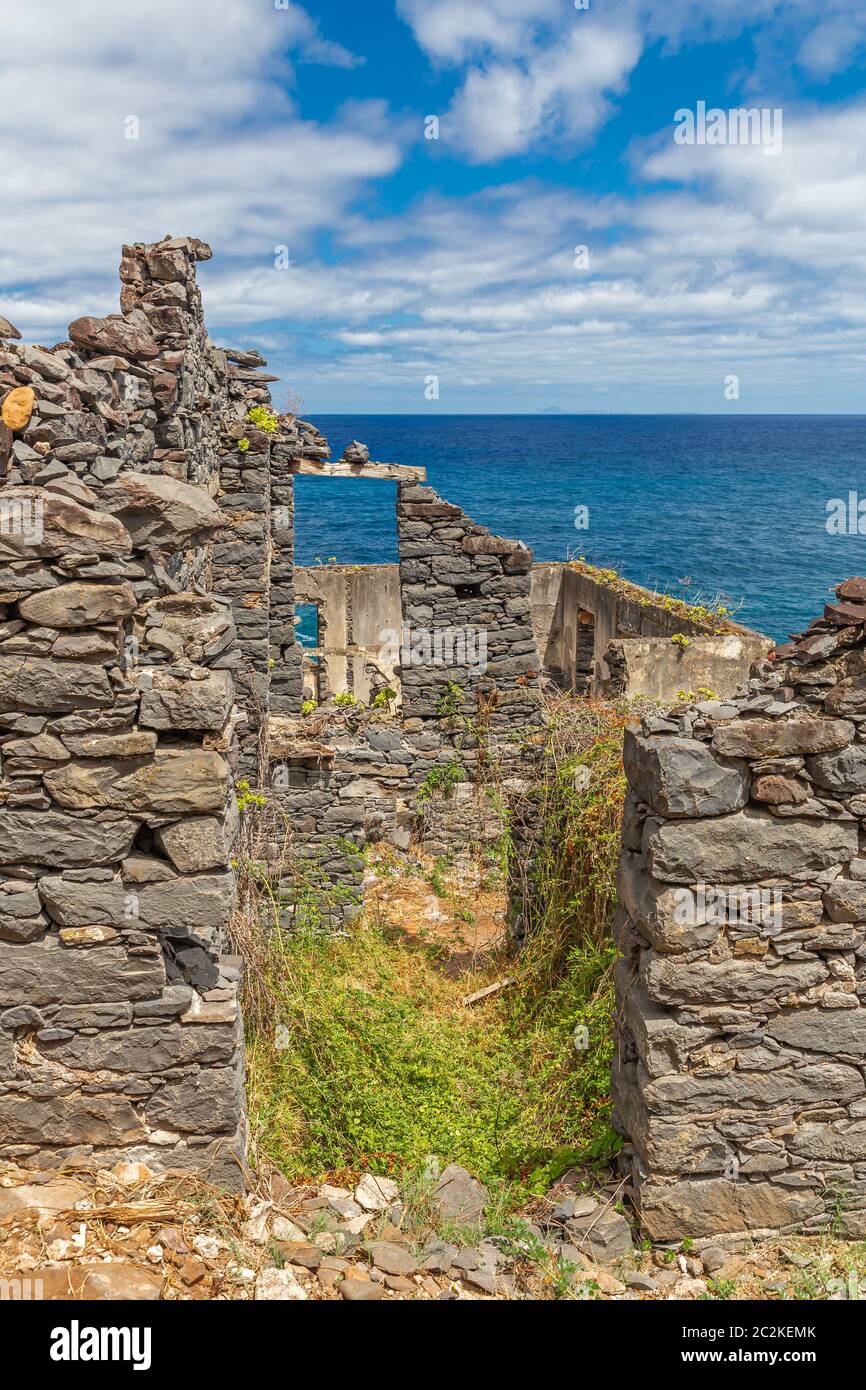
[[450, 702], [264, 419], [440, 780], [362, 1052], [383, 699], [714, 618], [247, 797], [243, 445]]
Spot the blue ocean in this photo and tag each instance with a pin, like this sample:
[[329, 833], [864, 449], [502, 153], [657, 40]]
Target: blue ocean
[[730, 508]]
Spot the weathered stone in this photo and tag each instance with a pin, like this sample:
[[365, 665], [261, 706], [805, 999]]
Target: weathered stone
[[668, 980], [841, 1142], [144, 1050], [279, 1286], [681, 777], [755, 1090], [376, 1194], [169, 703], [79, 605], [605, 1236], [7, 329], [162, 513], [44, 523], [459, 1196], [129, 336], [717, 1206], [207, 1101], [779, 791], [663, 1045], [62, 840], [764, 738], [200, 843], [44, 972], [672, 919], [36, 684], [848, 697], [200, 902], [843, 773], [173, 782], [103, 1283], [822, 1030], [146, 868], [845, 900], [59, 1195], [68, 1119], [392, 1258], [137, 743], [746, 846], [87, 936], [361, 1291], [34, 754]]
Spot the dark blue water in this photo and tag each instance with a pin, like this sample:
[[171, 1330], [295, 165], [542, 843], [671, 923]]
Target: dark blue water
[[699, 506]]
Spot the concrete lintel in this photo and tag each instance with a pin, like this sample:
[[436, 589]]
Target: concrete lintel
[[340, 468]]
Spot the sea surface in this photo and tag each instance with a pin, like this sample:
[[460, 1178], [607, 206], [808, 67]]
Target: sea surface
[[727, 508]]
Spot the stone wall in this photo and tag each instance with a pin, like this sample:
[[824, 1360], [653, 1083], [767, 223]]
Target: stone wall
[[741, 984], [456, 576], [364, 778], [119, 1026]]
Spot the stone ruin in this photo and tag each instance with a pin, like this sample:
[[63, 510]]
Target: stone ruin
[[149, 663], [741, 984]]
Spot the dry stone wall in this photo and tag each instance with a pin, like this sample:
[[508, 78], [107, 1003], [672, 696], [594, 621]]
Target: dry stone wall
[[458, 578], [119, 1024], [741, 984]]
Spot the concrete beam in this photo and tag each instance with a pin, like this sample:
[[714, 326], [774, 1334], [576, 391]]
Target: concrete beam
[[341, 468]]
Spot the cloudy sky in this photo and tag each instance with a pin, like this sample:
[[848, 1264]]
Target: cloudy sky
[[264, 124]]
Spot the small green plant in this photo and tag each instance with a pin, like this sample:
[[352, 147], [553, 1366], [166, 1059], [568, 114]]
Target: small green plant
[[247, 797], [721, 1288], [345, 699], [308, 706], [263, 419], [435, 879], [442, 779], [243, 445], [680, 640], [449, 702], [383, 698]]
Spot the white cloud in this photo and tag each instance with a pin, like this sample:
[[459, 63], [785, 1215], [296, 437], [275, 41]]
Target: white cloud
[[540, 74], [747, 265], [221, 150]]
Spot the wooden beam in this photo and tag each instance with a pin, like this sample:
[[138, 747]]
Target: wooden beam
[[340, 468]]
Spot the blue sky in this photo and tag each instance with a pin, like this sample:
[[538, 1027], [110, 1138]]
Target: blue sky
[[263, 124]]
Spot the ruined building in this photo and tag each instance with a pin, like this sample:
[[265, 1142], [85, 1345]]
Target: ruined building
[[149, 669]]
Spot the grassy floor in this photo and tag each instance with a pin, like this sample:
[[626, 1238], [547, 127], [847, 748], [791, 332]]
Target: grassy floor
[[367, 1056]]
